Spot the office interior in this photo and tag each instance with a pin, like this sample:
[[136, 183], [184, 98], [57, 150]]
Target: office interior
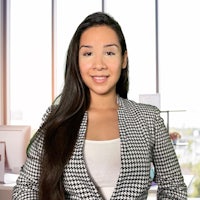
[[163, 48]]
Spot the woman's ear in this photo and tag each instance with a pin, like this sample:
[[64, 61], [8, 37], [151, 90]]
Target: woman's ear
[[125, 60]]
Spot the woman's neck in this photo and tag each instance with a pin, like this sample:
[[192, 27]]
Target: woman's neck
[[103, 102]]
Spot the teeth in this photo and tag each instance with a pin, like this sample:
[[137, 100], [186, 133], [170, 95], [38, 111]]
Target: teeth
[[100, 77]]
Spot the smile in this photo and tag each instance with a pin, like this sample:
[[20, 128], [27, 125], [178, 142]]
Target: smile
[[99, 79]]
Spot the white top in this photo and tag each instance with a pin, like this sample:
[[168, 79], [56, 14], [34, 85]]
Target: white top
[[103, 163]]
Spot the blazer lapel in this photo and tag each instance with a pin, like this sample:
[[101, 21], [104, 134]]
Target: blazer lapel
[[78, 180], [134, 152]]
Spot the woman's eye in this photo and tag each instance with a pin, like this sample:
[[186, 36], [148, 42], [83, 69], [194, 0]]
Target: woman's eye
[[110, 53], [87, 54]]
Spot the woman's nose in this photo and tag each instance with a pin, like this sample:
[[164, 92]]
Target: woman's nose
[[99, 64], [99, 67]]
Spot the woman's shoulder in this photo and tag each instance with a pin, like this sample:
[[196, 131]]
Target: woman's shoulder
[[37, 139], [142, 107]]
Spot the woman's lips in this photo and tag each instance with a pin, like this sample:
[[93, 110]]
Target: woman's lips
[[99, 79]]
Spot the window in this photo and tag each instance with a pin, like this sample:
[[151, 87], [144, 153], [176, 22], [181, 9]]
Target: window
[[137, 19], [30, 61], [68, 17], [1, 62], [179, 50]]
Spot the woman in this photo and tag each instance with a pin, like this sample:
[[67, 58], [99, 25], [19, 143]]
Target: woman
[[94, 142]]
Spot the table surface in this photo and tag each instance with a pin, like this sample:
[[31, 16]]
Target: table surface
[[10, 181]]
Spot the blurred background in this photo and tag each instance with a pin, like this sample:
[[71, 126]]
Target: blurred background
[[163, 47]]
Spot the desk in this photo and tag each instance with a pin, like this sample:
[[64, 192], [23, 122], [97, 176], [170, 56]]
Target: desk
[[7, 187]]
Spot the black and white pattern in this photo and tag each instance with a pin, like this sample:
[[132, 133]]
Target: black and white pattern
[[144, 139]]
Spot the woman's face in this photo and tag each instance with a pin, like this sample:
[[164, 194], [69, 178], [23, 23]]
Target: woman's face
[[100, 59]]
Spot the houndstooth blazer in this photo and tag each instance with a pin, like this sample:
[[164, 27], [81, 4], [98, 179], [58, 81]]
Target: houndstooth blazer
[[144, 140]]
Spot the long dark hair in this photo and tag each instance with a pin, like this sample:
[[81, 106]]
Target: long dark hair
[[62, 124]]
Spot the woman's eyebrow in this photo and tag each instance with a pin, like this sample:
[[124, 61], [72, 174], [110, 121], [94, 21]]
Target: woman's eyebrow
[[85, 46], [105, 46], [110, 45], [113, 44]]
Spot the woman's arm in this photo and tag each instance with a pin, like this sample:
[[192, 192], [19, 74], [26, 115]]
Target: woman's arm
[[28, 181], [27, 185], [168, 172]]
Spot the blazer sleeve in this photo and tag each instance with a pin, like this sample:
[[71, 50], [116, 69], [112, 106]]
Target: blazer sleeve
[[27, 184], [28, 181], [168, 174]]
